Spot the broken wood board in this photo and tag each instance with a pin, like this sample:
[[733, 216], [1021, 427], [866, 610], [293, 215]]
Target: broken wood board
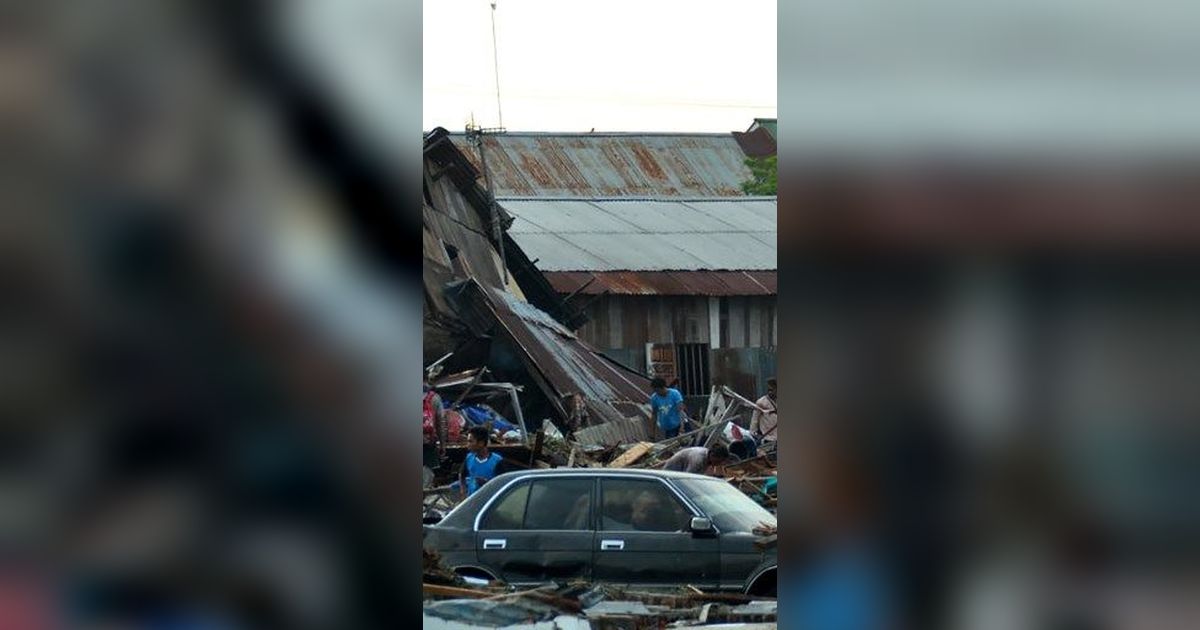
[[439, 590], [630, 457]]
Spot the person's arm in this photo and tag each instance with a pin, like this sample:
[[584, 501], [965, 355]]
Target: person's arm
[[754, 420], [462, 476]]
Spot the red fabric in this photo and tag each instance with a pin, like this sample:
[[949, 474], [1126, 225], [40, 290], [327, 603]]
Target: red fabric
[[428, 416], [455, 421]]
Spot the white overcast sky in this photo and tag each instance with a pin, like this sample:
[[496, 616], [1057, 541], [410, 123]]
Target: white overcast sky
[[616, 65]]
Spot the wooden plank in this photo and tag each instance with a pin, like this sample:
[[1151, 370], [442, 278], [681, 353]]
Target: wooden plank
[[616, 335], [437, 590], [631, 456], [539, 440], [756, 326]]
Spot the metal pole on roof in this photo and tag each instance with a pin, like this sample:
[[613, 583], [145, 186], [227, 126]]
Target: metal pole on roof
[[497, 233], [496, 66]]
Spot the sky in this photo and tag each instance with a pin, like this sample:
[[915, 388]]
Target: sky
[[619, 65]]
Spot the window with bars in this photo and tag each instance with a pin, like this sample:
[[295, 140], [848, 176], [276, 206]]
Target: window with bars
[[691, 366]]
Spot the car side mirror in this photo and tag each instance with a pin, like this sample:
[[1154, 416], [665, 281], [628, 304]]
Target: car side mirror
[[700, 525]]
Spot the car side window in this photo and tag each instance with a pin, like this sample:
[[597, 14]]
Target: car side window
[[641, 505], [560, 504], [509, 511]]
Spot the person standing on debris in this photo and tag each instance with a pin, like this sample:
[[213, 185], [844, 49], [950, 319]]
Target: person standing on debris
[[434, 422], [480, 464], [765, 420], [666, 405], [698, 459]]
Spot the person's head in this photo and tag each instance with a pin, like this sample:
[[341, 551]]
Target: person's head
[[646, 512], [659, 385], [477, 439], [771, 387], [718, 454]]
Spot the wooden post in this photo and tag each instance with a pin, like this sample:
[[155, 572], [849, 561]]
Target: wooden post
[[538, 440]]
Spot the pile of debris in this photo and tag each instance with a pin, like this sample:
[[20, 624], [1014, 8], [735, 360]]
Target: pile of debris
[[549, 447], [582, 605]]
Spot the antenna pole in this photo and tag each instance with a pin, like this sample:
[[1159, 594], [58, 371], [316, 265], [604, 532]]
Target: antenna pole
[[496, 66]]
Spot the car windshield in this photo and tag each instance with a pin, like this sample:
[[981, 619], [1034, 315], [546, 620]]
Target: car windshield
[[729, 509]]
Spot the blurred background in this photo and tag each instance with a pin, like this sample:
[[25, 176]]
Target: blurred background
[[211, 270], [211, 317], [991, 290]]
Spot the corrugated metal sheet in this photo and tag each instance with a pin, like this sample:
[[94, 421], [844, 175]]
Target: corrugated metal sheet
[[770, 124], [618, 432], [710, 283], [612, 164], [647, 234], [562, 363], [757, 143]]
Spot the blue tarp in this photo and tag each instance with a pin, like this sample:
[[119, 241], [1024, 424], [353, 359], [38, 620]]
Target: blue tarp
[[479, 415]]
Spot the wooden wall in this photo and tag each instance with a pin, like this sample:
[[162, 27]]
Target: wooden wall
[[631, 321]]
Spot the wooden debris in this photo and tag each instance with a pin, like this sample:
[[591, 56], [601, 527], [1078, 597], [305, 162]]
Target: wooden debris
[[539, 441], [632, 456], [531, 591], [571, 459], [438, 590]]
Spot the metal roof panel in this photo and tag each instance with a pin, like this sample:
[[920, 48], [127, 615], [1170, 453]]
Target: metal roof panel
[[569, 234], [602, 164]]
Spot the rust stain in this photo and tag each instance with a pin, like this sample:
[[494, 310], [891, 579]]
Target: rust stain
[[645, 159], [536, 171], [626, 165]]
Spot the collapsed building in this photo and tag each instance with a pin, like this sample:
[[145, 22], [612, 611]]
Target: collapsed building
[[654, 240], [487, 304]]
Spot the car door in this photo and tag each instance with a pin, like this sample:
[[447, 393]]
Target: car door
[[539, 529], [643, 537]]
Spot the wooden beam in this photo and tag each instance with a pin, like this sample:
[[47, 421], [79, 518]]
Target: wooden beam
[[631, 456], [438, 590], [538, 440]]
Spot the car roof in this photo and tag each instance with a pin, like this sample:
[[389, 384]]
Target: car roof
[[605, 472]]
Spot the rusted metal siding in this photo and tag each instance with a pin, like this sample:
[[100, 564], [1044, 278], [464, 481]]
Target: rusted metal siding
[[694, 283], [608, 165], [758, 143]]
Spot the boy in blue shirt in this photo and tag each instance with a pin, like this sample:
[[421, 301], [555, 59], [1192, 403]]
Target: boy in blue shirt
[[666, 407], [480, 464]]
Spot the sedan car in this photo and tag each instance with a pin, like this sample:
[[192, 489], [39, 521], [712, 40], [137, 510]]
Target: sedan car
[[645, 528]]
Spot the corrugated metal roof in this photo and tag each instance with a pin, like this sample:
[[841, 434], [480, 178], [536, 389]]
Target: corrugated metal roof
[[757, 143], [564, 364], [571, 234], [612, 164], [770, 124], [712, 283]]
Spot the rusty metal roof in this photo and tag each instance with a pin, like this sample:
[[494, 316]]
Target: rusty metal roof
[[612, 164], [710, 283], [758, 143], [561, 363], [628, 234]]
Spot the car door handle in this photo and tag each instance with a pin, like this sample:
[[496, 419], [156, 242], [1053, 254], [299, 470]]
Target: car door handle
[[494, 543], [612, 545]]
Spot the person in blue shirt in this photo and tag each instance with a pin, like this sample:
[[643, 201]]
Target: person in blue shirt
[[480, 464], [666, 407]]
